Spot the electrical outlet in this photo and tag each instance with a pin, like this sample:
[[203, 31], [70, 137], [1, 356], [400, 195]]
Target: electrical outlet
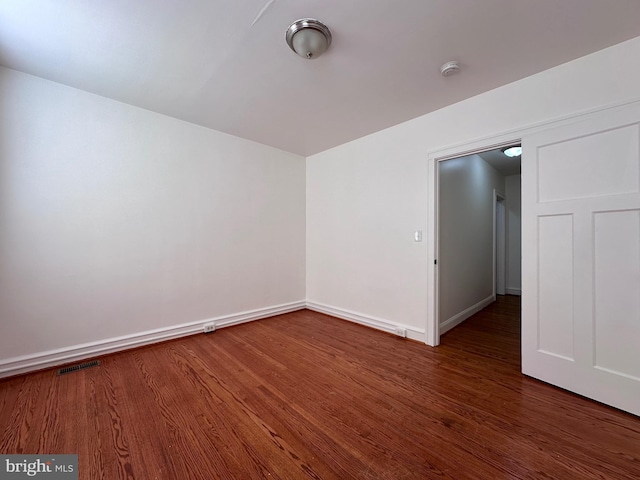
[[209, 327], [401, 332]]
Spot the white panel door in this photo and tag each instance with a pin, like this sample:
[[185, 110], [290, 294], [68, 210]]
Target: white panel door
[[581, 256]]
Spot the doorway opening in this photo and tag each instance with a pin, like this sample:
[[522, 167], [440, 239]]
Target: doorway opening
[[478, 234]]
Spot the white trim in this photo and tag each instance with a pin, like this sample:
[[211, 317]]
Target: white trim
[[481, 144], [513, 291], [368, 321], [432, 332], [462, 316], [38, 361]]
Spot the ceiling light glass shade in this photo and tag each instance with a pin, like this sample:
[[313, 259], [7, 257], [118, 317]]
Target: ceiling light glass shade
[[308, 37], [512, 151]]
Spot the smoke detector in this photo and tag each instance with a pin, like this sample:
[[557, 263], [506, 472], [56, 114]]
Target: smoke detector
[[449, 68]]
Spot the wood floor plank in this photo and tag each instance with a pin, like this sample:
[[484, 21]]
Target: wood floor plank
[[305, 395]]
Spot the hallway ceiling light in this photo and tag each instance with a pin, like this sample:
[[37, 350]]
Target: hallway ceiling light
[[512, 151], [308, 37]]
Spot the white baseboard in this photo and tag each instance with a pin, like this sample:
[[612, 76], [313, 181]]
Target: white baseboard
[[513, 291], [368, 321], [462, 316], [38, 361], [52, 358]]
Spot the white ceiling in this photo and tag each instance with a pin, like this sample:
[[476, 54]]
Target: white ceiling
[[215, 63]]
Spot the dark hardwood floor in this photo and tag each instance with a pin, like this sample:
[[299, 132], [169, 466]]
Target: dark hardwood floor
[[305, 395]]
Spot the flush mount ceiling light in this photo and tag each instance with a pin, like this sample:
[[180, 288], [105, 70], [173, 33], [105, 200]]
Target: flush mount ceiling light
[[308, 37], [512, 151]]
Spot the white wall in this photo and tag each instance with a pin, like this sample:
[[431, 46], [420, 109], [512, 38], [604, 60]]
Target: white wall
[[115, 220], [514, 240], [466, 233], [367, 197]]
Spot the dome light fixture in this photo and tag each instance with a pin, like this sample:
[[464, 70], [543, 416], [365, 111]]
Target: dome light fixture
[[511, 152], [308, 37]]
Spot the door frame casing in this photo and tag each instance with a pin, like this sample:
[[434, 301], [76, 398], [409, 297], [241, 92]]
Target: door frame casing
[[490, 142], [432, 327]]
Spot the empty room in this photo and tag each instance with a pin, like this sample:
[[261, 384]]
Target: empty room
[[327, 240]]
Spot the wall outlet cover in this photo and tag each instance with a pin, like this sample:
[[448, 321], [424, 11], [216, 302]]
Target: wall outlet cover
[[401, 332]]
